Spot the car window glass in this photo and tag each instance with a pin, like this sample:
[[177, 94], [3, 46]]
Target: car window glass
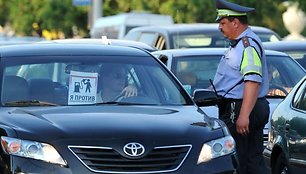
[[199, 41], [281, 75], [299, 100], [299, 56], [268, 37], [189, 41], [196, 70], [79, 79], [148, 38]]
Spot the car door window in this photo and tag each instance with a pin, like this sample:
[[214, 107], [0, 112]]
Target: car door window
[[148, 38], [196, 71], [299, 100]]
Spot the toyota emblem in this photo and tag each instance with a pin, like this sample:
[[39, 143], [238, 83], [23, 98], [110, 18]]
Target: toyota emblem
[[134, 149]]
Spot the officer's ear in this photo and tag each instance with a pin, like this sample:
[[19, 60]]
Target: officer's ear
[[236, 22]]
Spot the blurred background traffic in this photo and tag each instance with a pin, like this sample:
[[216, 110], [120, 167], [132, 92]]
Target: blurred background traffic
[[32, 20]]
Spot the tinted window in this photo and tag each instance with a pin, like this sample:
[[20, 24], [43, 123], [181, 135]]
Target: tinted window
[[282, 71], [299, 100], [199, 41], [79, 80], [195, 70], [148, 38], [268, 37]]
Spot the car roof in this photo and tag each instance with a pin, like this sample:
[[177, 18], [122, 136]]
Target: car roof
[[198, 27], [47, 49], [286, 45], [119, 42], [207, 51]]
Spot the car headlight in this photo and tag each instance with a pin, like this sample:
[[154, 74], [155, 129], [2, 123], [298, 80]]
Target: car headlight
[[216, 148], [31, 149]]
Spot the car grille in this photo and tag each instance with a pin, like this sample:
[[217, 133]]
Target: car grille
[[107, 160]]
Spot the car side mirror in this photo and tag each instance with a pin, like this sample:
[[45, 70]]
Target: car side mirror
[[163, 58], [205, 97]]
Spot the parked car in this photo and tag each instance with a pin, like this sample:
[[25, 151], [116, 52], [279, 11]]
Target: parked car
[[14, 40], [195, 67], [295, 49], [286, 149], [51, 124], [116, 26], [189, 35], [106, 41]]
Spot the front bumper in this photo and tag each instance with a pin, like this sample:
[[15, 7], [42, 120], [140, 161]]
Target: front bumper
[[222, 165]]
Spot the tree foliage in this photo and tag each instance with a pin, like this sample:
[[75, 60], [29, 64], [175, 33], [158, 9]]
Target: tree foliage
[[28, 17]]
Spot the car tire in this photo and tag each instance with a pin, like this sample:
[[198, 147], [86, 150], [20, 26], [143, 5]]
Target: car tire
[[281, 165]]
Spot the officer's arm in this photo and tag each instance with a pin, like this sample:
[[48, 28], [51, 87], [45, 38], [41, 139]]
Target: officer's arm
[[250, 93], [251, 64]]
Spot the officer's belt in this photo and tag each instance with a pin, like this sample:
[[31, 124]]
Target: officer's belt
[[235, 99]]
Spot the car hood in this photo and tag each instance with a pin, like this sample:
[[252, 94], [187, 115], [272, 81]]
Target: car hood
[[77, 122]]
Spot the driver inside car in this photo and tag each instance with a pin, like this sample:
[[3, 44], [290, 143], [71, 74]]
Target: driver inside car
[[276, 88], [113, 82]]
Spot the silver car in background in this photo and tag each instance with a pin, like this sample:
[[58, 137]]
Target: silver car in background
[[196, 35], [196, 67]]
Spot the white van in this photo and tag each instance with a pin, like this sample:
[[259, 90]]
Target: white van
[[116, 26]]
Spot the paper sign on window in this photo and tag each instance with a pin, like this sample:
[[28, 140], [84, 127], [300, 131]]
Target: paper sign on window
[[82, 88]]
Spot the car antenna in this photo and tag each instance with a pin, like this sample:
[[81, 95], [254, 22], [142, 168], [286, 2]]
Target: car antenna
[[212, 84]]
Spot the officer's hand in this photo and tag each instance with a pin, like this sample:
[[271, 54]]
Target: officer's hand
[[242, 125]]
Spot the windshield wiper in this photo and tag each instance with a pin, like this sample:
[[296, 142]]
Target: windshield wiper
[[113, 103], [122, 103], [30, 103]]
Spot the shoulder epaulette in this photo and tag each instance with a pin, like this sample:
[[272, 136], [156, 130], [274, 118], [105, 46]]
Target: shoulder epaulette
[[245, 41]]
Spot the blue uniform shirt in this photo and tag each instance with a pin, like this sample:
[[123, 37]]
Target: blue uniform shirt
[[229, 70]]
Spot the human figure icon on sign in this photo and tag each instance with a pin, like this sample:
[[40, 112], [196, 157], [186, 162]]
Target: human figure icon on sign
[[88, 85]]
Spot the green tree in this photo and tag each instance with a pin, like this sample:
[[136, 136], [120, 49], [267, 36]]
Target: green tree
[[28, 16], [4, 9], [33, 16]]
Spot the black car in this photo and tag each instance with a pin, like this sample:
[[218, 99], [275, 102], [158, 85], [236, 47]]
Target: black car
[[286, 149], [194, 35], [295, 49], [106, 41], [52, 122]]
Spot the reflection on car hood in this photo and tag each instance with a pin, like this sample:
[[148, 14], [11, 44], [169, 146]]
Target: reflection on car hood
[[100, 121]]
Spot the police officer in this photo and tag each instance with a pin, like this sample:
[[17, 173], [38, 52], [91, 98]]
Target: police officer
[[242, 81]]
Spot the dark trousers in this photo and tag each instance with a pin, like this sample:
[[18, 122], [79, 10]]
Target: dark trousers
[[249, 147]]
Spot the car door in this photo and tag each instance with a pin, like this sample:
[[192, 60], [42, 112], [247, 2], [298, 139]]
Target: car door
[[295, 130]]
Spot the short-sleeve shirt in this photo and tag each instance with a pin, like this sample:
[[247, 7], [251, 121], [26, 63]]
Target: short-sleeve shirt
[[229, 79]]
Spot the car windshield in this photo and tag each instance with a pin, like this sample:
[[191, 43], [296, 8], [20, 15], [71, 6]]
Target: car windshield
[[195, 72], [299, 56], [199, 41], [210, 39], [268, 37], [284, 73], [79, 80]]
